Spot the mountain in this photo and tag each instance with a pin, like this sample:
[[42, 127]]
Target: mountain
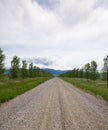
[[51, 71], [55, 72], [7, 71]]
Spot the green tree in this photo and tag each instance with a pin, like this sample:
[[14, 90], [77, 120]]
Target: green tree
[[106, 67], [31, 72], [2, 67], [93, 69], [103, 74], [38, 72], [35, 72], [87, 70], [74, 73], [81, 73], [15, 67], [24, 69]]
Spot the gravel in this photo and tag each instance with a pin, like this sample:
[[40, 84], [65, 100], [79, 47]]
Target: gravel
[[54, 105]]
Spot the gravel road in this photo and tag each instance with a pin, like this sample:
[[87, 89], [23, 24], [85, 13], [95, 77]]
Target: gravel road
[[54, 105]]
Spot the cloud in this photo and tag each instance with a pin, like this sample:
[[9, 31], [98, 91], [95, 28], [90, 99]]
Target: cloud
[[42, 61], [75, 11], [103, 3], [68, 32], [25, 22]]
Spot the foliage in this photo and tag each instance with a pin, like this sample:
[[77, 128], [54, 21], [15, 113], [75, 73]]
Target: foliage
[[34, 69], [15, 67], [24, 71], [2, 58], [106, 68], [93, 69], [31, 72], [87, 70], [38, 72]]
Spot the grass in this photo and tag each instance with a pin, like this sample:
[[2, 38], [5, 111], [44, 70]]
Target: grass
[[97, 88], [9, 90]]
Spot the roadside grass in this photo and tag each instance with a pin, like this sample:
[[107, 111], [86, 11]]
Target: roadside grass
[[98, 87], [9, 90]]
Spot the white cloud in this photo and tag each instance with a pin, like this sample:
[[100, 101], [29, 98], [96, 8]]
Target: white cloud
[[75, 11], [23, 22], [71, 34]]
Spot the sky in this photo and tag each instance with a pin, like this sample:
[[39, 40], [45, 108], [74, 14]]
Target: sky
[[58, 34]]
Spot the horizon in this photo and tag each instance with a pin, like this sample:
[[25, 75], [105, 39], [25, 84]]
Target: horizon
[[55, 34]]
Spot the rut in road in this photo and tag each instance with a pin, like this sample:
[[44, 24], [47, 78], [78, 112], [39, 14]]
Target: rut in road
[[54, 105]]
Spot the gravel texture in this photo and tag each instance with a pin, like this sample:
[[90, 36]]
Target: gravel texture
[[54, 105]]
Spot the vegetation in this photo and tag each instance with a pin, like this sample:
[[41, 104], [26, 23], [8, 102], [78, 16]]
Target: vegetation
[[19, 79], [28, 77], [2, 58], [96, 88], [106, 67], [94, 83], [87, 70], [35, 71], [31, 71], [15, 67], [24, 69], [10, 90], [93, 70], [16, 72]]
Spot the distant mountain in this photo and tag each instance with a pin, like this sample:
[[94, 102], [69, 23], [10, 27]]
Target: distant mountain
[[51, 71], [55, 72], [7, 71]]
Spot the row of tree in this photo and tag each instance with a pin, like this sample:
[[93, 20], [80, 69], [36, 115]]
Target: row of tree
[[89, 71], [25, 71]]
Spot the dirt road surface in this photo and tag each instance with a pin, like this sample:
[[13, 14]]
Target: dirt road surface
[[54, 105]]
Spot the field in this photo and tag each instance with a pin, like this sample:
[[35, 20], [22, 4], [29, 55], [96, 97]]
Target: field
[[11, 89], [98, 88]]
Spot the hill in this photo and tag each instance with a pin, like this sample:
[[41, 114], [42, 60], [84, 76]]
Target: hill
[[55, 72]]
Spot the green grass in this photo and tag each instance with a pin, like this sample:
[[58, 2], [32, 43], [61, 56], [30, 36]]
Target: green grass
[[9, 90], [97, 88]]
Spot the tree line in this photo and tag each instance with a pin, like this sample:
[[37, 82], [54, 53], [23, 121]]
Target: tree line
[[25, 71], [89, 71]]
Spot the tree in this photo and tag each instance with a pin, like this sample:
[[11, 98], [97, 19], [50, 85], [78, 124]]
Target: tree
[[2, 58], [87, 70], [24, 69], [93, 69], [31, 73], [38, 72], [35, 72], [15, 67], [74, 73], [81, 73], [106, 67], [77, 73]]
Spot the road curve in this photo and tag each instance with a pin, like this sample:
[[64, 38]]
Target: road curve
[[54, 105]]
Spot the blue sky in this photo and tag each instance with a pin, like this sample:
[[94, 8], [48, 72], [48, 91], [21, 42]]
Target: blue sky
[[58, 34], [49, 4]]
